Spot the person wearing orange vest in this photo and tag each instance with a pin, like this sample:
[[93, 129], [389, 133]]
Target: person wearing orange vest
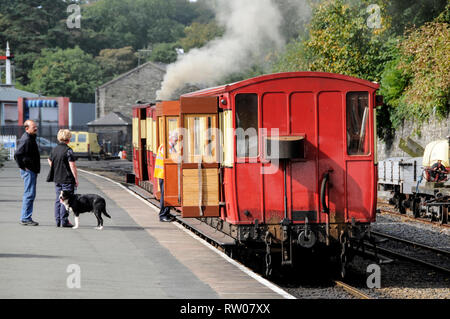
[[164, 215]]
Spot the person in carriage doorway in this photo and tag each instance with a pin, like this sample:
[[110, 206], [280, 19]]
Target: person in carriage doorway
[[28, 159], [63, 171], [438, 172], [164, 215]]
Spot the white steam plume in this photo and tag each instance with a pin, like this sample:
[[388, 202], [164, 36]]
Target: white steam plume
[[251, 27]]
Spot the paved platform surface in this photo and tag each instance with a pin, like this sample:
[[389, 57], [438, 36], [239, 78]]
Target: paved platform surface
[[134, 256]]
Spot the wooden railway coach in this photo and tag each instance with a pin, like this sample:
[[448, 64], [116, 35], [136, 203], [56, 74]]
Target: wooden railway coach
[[282, 159]]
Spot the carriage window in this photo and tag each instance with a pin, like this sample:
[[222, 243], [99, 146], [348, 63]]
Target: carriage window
[[149, 134], [246, 125], [161, 131], [173, 146], [154, 144], [358, 123], [200, 138], [82, 138]]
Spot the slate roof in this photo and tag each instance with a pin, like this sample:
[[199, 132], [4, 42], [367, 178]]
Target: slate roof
[[111, 119], [10, 94], [160, 66]]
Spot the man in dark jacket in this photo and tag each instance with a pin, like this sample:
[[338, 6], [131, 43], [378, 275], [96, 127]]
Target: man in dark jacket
[[28, 158]]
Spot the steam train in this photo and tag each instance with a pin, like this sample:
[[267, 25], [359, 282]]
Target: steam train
[[411, 183], [284, 161]]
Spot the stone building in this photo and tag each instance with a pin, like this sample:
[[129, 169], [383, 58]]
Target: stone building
[[121, 93]]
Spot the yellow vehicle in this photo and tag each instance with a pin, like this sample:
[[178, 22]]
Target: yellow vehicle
[[85, 144]]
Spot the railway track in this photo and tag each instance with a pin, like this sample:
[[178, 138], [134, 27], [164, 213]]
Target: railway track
[[432, 257], [352, 290], [336, 289], [405, 217]]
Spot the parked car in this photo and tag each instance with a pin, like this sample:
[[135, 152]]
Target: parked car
[[85, 144], [45, 146]]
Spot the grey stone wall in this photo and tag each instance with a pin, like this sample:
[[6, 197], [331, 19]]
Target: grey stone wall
[[429, 132], [81, 113], [119, 95]]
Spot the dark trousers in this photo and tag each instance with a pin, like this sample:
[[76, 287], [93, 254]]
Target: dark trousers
[[61, 214], [164, 211]]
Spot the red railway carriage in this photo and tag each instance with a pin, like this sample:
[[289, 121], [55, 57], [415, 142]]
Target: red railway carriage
[[139, 143], [290, 156]]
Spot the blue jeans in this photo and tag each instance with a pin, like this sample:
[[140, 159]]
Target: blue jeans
[[29, 194], [61, 214]]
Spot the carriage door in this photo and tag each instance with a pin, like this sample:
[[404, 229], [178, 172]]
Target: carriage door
[[169, 127], [139, 143], [200, 157], [331, 150]]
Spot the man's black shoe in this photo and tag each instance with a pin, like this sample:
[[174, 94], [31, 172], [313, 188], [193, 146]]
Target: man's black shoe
[[67, 225], [165, 219], [29, 223]]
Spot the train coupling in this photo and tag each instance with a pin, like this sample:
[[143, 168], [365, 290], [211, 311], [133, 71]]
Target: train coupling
[[286, 243]]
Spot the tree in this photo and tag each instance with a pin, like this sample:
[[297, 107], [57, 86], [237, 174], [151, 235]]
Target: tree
[[341, 41], [413, 14], [25, 25], [198, 34], [71, 72], [164, 52], [417, 83], [136, 23]]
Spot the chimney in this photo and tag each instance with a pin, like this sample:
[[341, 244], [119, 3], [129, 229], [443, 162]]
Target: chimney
[[8, 65]]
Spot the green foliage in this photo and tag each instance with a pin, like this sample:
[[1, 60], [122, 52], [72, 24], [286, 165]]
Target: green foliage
[[339, 41], [71, 72], [25, 24], [426, 53], [444, 16], [413, 69], [417, 83], [30, 26], [198, 34], [164, 52], [409, 14], [136, 23]]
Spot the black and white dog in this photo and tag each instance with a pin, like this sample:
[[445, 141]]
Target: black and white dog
[[78, 204]]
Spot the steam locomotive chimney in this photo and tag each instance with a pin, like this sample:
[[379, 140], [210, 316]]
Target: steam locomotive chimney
[[8, 65]]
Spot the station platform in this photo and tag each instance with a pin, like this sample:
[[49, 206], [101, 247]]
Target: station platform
[[134, 256]]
